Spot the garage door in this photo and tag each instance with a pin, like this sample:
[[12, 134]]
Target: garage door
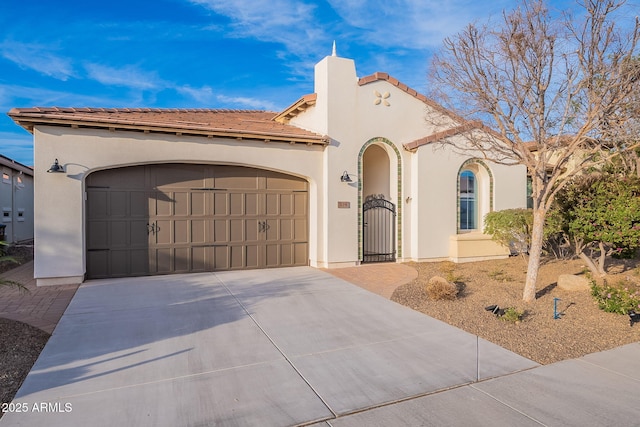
[[179, 218]]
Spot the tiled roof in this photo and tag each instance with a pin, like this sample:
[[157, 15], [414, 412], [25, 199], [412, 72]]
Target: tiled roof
[[443, 134], [240, 124], [296, 108], [395, 82]]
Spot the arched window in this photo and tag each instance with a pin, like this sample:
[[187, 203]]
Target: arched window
[[467, 200]]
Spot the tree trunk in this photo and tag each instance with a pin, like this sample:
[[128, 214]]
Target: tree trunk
[[601, 259], [590, 264], [535, 251]]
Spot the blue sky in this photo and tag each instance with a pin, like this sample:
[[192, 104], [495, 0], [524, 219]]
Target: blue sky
[[240, 54]]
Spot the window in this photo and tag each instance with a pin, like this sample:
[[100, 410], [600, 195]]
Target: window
[[467, 199], [6, 178]]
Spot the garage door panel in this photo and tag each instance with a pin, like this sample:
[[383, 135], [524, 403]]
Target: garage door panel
[[279, 181], [286, 204], [301, 254], [98, 206], [98, 263], [180, 203], [161, 204], [119, 263], [234, 177], [286, 255], [222, 257], [98, 235], [182, 260], [286, 229], [181, 231], [138, 233], [181, 218], [236, 204], [118, 204], [139, 262], [220, 232], [272, 231], [179, 175], [162, 260], [251, 207], [251, 229], [139, 204], [300, 204], [119, 234], [220, 204], [300, 230], [164, 233], [272, 204], [199, 204], [272, 258]]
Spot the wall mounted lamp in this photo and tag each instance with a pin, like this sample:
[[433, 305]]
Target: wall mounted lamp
[[345, 177], [56, 168]]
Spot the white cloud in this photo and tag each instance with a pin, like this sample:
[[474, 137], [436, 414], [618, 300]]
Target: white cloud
[[17, 146], [127, 76], [38, 58], [288, 22], [202, 95], [252, 103], [412, 24], [25, 96]]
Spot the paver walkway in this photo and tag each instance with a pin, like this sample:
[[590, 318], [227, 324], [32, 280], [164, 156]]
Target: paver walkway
[[381, 279], [41, 307]]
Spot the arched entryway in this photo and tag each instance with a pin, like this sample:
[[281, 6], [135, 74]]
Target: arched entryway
[[378, 200]]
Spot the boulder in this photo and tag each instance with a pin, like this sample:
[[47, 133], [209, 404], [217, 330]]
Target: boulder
[[571, 282]]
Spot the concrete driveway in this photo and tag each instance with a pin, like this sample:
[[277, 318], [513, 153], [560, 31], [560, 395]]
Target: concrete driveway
[[297, 346], [263, 347]]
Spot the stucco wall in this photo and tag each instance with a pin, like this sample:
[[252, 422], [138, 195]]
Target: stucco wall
[[422, 184], [59, 220], [16, 203]]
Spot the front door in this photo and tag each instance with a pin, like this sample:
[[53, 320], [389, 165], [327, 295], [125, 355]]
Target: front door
[[378, 229]]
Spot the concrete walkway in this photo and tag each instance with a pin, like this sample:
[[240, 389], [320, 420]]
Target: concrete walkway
[[41, 307], [273, 347]]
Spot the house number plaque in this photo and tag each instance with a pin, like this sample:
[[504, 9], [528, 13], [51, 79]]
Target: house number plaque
[[344, 205]]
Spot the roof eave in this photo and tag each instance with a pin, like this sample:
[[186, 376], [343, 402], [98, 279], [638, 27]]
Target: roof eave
[[296, 108], [29, 121]]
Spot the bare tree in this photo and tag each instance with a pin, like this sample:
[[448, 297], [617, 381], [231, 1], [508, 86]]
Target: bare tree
[[556, 91]]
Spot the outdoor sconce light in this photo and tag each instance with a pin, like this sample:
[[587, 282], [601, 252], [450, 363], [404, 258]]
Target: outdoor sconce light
[[56, 168], [345, 177]]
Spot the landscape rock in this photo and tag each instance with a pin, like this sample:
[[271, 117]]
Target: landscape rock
[[572, 282]]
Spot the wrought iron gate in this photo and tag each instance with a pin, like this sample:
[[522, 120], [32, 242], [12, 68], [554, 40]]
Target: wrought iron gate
[[378, 229]]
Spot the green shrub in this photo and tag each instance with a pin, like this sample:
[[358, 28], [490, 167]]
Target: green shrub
[[438, 288], [615, 299], [512, 315]]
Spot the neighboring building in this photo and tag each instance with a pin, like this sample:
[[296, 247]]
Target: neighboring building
[[345, 175], [16, 201]]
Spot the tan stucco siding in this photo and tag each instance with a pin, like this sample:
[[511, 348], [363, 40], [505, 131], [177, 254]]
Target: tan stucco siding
[[59, 221]]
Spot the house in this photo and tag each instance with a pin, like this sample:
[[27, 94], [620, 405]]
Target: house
[[346, 175], [16, 201]]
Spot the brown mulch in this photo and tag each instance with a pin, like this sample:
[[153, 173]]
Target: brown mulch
[[581, 329], [20, 346]]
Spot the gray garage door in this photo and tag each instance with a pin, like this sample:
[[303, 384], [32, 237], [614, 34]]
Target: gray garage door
[[179, 218]]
